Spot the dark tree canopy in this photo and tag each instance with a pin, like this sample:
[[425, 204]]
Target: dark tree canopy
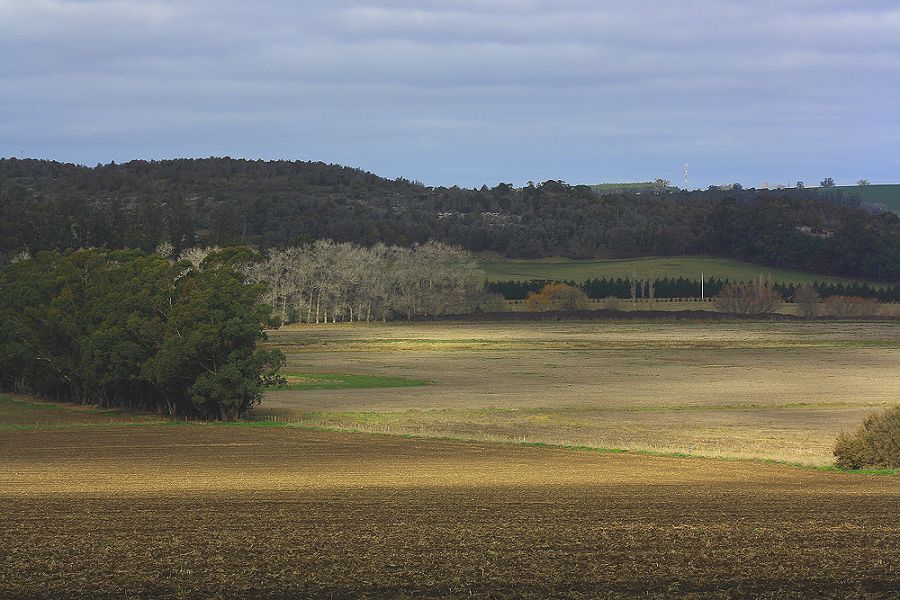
[[48, 205], [125, 328]]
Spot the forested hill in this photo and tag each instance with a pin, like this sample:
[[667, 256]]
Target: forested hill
[[224, 201]]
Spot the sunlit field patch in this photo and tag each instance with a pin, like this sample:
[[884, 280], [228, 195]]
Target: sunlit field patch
[[776, 391]]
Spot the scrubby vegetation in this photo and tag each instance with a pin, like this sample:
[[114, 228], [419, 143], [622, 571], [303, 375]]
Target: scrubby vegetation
[[682, 287], [876, 444], [851, 307], [750, 298], [557, 296]]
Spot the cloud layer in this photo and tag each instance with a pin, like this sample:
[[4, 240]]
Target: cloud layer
[[485, 91]]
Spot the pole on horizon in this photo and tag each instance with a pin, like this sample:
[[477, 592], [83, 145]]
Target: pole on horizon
[[702, 296]]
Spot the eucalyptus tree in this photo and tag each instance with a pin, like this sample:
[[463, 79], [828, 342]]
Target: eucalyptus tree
[[125, 328]]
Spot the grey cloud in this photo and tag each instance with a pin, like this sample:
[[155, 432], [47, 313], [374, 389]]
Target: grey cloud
[[482, 92]]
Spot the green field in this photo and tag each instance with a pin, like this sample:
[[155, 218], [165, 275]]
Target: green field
[[887, 194], [504, 269]]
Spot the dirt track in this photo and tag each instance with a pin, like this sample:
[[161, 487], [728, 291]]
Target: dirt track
[[210, 511]]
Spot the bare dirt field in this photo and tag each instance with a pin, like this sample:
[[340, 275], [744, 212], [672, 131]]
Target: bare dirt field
[[204, 511], [774, 390]]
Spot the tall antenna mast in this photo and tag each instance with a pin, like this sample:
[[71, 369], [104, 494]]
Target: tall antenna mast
[[685, 176]]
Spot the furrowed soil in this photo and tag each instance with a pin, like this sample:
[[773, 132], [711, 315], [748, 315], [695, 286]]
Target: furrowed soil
[[209, 511], [776, 390]]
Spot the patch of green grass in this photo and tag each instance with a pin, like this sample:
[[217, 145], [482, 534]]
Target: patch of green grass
[[23, 414], [346, 381], [887, 194], [504, 269], [9, 404]]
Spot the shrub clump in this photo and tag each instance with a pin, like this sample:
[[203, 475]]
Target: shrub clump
[[557, 296], [749, 298], [852, 307], [876, 444]]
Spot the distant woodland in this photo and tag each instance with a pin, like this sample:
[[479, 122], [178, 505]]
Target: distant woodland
[[47, 205]]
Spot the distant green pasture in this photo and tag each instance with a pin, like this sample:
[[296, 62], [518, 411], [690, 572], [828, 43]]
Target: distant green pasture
[[505, 269], [887, 194]]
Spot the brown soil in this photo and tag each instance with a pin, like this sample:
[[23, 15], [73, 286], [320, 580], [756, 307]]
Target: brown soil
[[218, 511]]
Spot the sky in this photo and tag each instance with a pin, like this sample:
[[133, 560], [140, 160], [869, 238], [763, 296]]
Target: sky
[[466, 92]]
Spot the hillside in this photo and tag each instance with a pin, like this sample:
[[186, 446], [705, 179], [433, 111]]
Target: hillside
[[224, 201]]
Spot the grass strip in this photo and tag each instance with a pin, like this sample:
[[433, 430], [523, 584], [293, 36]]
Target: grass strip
[[346, 381]]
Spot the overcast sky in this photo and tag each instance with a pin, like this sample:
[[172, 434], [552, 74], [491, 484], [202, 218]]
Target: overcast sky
[[467, 92]]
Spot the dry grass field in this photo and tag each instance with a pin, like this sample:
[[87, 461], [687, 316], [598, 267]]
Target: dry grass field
[[779, 391], [214, 511]]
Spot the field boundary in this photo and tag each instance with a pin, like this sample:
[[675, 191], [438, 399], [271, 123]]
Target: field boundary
[[275, 423], [579, 448]]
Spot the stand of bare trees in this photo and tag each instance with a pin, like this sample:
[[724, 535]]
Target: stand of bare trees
[[329, 282], [852, 307], [751, 298], [808, 301]]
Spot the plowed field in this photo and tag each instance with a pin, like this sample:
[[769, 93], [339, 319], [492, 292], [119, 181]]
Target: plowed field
[[217, 511]]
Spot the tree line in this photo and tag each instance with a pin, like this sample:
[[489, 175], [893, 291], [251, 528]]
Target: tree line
[[130, 329], [682, 287], [278, 204], [333, 282]]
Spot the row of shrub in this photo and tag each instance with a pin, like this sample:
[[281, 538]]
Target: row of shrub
[[682, 287], [759, 297]]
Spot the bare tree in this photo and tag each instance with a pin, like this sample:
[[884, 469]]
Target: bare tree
[[195, 256], [165, 249], [343, 282], [852, 307], [807, 298], [750, 298], [20, 256]]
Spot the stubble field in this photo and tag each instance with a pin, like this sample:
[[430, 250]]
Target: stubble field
[[780, 391]]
